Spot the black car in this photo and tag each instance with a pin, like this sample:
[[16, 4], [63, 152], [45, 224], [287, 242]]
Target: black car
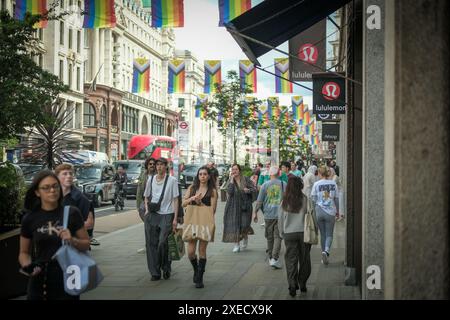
[[30, 170], [96, 180], [188, 174], [133, 168]]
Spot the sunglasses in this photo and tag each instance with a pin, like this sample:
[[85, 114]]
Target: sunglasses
[[48, 188]]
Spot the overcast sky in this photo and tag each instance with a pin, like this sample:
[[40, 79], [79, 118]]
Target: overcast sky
[[202, 36]]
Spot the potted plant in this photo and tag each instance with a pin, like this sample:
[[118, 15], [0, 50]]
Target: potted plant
[[12, 191]]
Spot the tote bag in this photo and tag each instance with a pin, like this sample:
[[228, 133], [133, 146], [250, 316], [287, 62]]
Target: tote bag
[[310, 235], [80, 271], [199, 223], [176, 245]]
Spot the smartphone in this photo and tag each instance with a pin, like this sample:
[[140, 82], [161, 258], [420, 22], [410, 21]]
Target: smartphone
[[28, 270]]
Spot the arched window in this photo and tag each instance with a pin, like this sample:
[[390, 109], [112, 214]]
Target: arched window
[[114, 118], [103, 117], [89, 115], [144, 125]]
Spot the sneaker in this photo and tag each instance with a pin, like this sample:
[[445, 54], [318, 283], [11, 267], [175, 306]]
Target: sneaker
[[271, 262], [263, 224], [325, 257], [141, 250], [276, 264], [94, 242], [155, 278], [236, 249], [244, 243]]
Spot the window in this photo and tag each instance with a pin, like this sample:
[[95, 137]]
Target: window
[[61, 70], [78, 41], [41, 61], [86, 38], [3, 4], [70, 76], [61, 31], [70, 39], [70, 2], [78, 79], [103, 116], [89, 115], [62, 4]]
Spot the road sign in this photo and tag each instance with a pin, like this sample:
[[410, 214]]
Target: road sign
[[183, 125]]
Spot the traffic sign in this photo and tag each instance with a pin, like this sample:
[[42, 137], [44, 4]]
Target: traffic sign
[[183, 125]]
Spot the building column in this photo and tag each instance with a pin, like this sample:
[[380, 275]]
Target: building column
[[417, 149], [373, 150]]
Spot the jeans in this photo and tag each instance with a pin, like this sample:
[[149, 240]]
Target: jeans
[[325, 223]]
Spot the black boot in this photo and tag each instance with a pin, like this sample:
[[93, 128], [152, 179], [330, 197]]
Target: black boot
[[201, 271], [194, 263]]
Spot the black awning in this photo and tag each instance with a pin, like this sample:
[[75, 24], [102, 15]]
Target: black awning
[[276, 21]]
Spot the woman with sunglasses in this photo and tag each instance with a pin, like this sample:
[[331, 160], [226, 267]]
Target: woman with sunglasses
[[42, 227], [201, 193]]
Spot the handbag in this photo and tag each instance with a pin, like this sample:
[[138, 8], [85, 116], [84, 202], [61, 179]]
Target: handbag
[[141, 211], [176, 245], [199, 223], [80, 271], [152, 206], [310, 235]]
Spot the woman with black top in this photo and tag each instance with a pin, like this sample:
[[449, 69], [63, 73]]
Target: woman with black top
[[42, 227], [201, 193]]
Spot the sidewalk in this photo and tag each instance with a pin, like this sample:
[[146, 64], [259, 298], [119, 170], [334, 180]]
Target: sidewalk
[[237, 276]]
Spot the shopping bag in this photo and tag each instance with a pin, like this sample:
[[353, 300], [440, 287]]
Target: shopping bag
[[80, 271], [176, 245], [199, 223], [310, 235]]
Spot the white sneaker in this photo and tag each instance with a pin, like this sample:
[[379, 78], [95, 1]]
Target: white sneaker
[[276, 264], [236, 249], [271, 262], [263, 224], [141, 250], [324, 258], [244, 243]]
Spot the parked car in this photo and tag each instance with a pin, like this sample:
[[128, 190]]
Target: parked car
[[133, 169], [96, 180], [188, 175], [29, 170]]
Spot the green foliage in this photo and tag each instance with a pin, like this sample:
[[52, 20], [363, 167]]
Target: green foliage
[[12, 192], [247, 171], [25, 88]]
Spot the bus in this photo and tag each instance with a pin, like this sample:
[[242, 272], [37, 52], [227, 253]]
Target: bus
[[141, 147]]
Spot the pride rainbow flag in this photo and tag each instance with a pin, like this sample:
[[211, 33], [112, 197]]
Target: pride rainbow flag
[[306, 117], [313, 127], [146, 3], [316, 140], [141, 75], [213, 75], [176, 76], [34, 7], [99, 14], [297, 108], [230, 9], [247, 74], [200, 106], [167, 13], [282, 70]]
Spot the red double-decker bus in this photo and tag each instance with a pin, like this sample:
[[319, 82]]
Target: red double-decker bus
[[141, 147]]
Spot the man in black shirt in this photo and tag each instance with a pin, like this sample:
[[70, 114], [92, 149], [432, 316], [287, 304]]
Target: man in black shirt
[[74, 197], [213, 172]]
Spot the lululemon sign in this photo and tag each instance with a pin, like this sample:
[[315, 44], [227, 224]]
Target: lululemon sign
[[310, 51], [329, 94]]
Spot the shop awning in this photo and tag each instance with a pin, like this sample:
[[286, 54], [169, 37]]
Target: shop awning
[[275, 21]]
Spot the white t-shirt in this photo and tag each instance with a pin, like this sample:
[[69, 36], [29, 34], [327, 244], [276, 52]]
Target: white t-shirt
[[156, 189], [326, 191]]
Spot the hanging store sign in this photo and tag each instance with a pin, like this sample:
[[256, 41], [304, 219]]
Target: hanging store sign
[[309, 47], [330, 132], [328, 94]]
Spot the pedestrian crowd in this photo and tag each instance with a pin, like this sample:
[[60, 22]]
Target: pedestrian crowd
[[285, 195]]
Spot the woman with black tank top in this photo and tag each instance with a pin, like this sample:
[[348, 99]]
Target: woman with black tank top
[[202, 193]]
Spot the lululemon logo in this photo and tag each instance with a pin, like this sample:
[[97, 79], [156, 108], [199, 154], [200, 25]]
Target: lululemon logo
[[331, 91], [308, 53]]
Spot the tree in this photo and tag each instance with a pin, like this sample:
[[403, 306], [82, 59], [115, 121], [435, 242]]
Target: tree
[[230, 110], [25, 88], [47, 140]]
